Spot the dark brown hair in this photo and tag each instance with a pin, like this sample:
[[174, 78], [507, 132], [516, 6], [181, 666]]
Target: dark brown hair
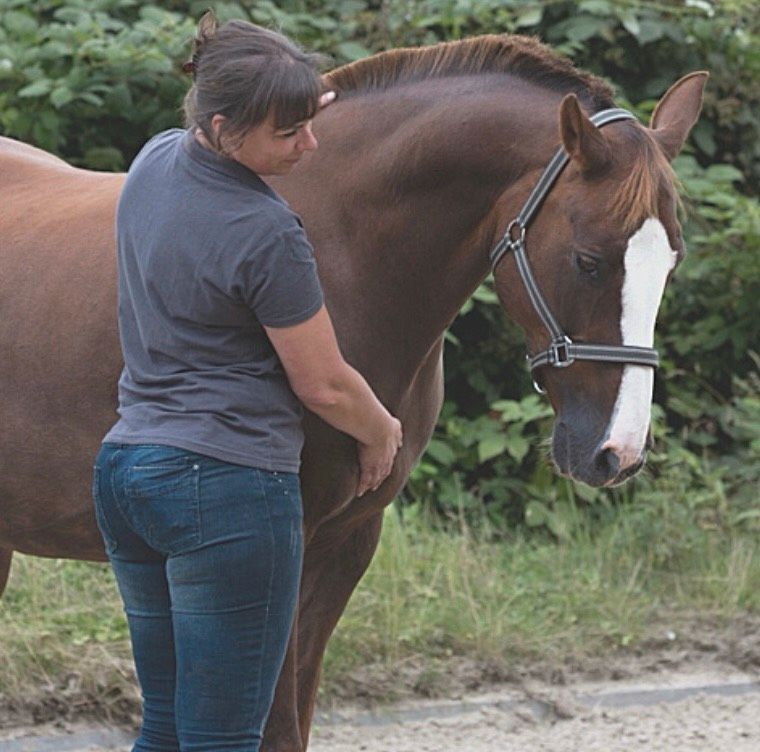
[[246, 72]]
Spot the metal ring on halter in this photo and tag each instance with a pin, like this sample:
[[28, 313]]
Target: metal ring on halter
[[508, 234], [537, 387]]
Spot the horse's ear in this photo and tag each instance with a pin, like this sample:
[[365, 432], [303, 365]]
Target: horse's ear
[[677, 112], [583, 141]]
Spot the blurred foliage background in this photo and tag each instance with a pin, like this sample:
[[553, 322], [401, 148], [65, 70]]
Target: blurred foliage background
[[92, 80]]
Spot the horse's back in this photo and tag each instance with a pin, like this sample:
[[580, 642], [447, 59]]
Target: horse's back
[[18, 160]]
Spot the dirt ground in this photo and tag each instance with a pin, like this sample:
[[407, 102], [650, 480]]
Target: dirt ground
[[643, 716], [691, 687], [718, 712]]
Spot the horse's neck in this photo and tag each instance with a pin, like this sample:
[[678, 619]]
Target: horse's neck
[[404, 227]]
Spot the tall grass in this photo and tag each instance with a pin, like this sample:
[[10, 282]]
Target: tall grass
[[427, 595], [435, 594]]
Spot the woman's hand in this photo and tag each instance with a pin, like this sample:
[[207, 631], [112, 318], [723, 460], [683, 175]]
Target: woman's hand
[[327, 98], [376, 459], [338, 394]]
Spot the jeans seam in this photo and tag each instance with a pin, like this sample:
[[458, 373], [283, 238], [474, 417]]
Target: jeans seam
[[172, 466], [120, 511], [131, 494], [265, 630], [116, 505], [108, 537], [209, 611]]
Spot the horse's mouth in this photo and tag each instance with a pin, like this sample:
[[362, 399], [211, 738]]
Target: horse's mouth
[[602, 470]]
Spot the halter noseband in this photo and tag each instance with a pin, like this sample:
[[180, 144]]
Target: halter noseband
[[562, 351]]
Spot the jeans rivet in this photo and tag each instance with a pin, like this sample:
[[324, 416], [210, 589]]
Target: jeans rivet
[[196, 467]]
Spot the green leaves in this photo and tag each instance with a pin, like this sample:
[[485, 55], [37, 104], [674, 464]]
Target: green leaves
[[61, 96], [351, 51], [491, 445], [500, 448], [91, 75], [529, 17], [19, 23], [38, 88]]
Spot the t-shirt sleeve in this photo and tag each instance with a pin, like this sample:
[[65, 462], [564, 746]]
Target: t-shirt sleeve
[[281, 283]]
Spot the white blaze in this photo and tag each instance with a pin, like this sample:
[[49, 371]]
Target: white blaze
[[648, 259]]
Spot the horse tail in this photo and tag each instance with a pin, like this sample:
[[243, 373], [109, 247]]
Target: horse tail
[[6, 554]]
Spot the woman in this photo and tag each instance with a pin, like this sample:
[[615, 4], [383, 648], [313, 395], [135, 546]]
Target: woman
[[224, 334]]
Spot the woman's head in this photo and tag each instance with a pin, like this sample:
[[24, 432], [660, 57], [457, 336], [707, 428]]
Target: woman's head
[[245, 76]]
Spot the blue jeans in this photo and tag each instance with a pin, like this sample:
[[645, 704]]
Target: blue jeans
[[207, 556]]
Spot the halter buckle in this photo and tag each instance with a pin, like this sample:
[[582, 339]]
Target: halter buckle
[[559, 353]]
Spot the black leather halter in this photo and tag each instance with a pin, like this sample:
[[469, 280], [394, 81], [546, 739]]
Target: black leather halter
[[562, 351]]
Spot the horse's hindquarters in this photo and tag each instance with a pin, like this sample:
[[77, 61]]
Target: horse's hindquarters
[[58, 324]]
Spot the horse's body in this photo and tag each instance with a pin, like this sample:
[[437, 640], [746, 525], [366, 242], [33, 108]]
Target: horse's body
[[417, 174]]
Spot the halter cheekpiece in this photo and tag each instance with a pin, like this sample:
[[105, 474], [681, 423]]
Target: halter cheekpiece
[[562, 351]]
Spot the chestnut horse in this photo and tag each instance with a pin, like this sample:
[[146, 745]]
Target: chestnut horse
[[424, 159]]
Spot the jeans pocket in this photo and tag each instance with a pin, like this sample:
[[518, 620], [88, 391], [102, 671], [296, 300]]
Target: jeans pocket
[[163, 504], [283, 492], [100, 515]]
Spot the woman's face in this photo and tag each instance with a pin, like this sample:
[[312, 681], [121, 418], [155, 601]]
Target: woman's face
[[270, 151]]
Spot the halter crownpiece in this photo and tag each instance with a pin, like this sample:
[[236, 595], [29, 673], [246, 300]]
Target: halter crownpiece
[[562, 351]]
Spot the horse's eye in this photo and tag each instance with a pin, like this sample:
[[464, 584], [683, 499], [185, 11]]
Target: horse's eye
[[587, 264]]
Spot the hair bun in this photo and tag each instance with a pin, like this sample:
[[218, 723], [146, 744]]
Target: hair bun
[[207, 28], [206, 31]]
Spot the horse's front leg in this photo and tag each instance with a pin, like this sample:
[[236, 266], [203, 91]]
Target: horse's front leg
[[334, 562]]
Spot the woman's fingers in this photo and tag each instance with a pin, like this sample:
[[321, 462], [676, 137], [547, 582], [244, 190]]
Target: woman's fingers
[[326, 98]]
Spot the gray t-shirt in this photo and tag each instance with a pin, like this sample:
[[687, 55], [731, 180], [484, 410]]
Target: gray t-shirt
[[207, 254]]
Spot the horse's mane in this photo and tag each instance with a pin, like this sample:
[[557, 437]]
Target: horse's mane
[[636, 198], [533, 61], [521, 56]]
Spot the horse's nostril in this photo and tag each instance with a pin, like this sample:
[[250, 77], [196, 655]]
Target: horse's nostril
[[607, 463]]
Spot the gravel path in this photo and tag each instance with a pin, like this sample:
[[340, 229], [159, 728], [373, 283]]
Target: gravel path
[[674, 711], [705, 722]]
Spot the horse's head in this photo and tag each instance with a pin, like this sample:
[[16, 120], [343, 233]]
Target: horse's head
[[602, 248]]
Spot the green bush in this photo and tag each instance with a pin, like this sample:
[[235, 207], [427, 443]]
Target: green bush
[[90, 80]]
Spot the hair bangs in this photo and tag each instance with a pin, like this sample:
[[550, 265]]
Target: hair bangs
[[294, 94]]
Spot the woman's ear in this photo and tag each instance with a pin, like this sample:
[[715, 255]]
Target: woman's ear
[[217, 123]]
